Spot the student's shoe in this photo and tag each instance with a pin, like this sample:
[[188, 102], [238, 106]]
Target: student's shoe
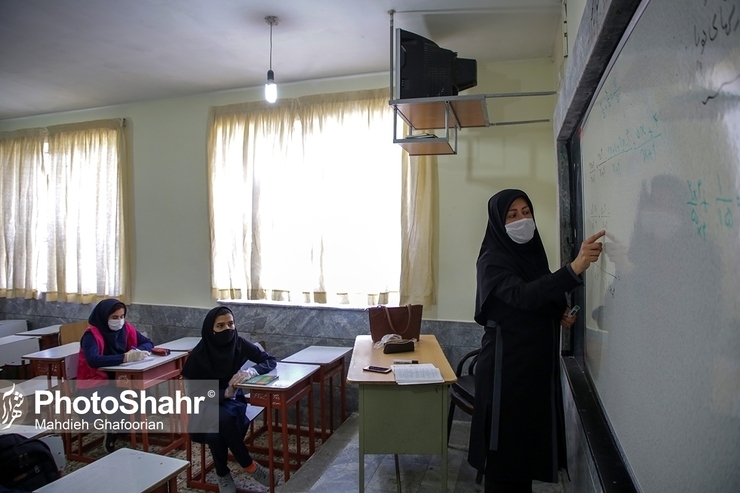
[[261, 474], [226, 484], [110, 441]]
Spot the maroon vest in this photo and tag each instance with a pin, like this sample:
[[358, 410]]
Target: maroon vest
[[87, 376]]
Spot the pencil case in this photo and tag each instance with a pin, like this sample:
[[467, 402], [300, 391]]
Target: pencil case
[[402, 346], [160, 351]]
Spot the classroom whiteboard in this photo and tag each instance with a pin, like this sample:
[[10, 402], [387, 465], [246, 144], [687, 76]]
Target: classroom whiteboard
[[660, 164]]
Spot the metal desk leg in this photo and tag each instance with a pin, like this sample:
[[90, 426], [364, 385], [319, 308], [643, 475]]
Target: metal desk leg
[[323, 408], [398, 474], [361, 448]]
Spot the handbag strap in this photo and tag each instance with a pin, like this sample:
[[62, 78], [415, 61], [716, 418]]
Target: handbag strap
[[390, 323]]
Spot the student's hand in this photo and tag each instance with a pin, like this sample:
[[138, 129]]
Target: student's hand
[[589, 253], [242, 375], [229, 392], [134, 355], [567, 321]]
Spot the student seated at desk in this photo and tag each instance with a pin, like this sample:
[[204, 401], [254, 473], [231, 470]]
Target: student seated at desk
[[223, 355], [108, 341]]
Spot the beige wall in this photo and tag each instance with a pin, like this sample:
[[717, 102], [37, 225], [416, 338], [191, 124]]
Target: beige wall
[[488, 160], [169, 228]]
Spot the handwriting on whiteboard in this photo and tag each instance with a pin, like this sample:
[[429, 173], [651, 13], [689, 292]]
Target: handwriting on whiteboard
[[610, 98], [639, 140], [720, 206], [722, 19]]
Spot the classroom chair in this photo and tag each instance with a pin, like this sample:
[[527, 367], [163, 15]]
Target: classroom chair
[[462, 393], [72, 332], [196, 478]]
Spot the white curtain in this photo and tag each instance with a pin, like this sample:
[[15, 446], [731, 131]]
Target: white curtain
[[21, 178], [418, 216], [306, 200], [85, 228]]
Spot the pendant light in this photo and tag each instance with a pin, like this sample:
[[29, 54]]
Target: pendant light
[[270, 86]]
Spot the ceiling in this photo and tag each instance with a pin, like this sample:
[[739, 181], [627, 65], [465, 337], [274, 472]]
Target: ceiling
[[60, 55]]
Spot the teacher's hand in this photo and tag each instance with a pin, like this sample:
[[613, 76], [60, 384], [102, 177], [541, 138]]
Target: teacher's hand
[[589, 253], [567, 321]]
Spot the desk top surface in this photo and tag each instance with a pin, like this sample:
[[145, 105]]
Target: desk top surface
[[43, 331], [151, 361], [27, 431], [182, 344], [55, 353], [427, 351], [318, 355], [288, 374], [14, 338], [125, 470]]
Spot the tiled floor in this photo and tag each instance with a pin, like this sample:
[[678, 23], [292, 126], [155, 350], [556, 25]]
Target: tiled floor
[[334, 468]]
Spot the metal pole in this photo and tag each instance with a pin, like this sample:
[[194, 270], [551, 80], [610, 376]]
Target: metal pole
[[390, 87]]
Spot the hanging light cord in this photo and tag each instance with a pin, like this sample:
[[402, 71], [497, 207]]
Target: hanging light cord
[[271, 45]]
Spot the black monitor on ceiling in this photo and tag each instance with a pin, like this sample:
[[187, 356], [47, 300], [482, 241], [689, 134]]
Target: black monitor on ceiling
[[424, 70]]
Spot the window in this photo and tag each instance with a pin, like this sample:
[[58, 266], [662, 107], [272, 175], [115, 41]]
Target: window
[[75, 251], [307, 201]]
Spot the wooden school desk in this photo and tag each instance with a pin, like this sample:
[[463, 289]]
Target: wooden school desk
[[123, 471], [331, 362], [12, 349], [294, 383], [401, 419], [59, 361], [183, 344], [145, 374], [49, 336], [11, 327], [28, 389]]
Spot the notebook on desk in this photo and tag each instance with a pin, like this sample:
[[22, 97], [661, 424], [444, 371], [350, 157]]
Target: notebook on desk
[[417, 374], [260, 380]]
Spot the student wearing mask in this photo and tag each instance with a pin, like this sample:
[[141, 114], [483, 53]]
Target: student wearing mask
[[108, 341], [517, 430], [223, 355]]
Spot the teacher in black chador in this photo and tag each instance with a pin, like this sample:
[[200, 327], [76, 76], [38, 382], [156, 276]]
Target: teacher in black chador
[[517, 431]]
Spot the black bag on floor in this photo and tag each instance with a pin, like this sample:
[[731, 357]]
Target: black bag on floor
[[26, 464]]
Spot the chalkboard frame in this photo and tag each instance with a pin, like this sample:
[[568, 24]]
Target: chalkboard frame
[[599, 37], [640, 460]]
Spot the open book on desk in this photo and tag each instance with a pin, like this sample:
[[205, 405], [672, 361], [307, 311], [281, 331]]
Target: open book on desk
[[417, 374]]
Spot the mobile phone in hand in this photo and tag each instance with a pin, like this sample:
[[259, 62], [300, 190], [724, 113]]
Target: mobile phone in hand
[[377, 369], [574, 310]]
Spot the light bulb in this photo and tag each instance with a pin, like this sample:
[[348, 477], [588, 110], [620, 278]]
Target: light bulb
[[270, 87]]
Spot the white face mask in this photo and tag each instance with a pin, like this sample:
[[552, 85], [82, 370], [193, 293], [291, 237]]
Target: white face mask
[[521, 231], [115, 325]]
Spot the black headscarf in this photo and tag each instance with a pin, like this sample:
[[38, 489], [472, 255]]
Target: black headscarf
[[211, 361], [115, 340], [499, 254]]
